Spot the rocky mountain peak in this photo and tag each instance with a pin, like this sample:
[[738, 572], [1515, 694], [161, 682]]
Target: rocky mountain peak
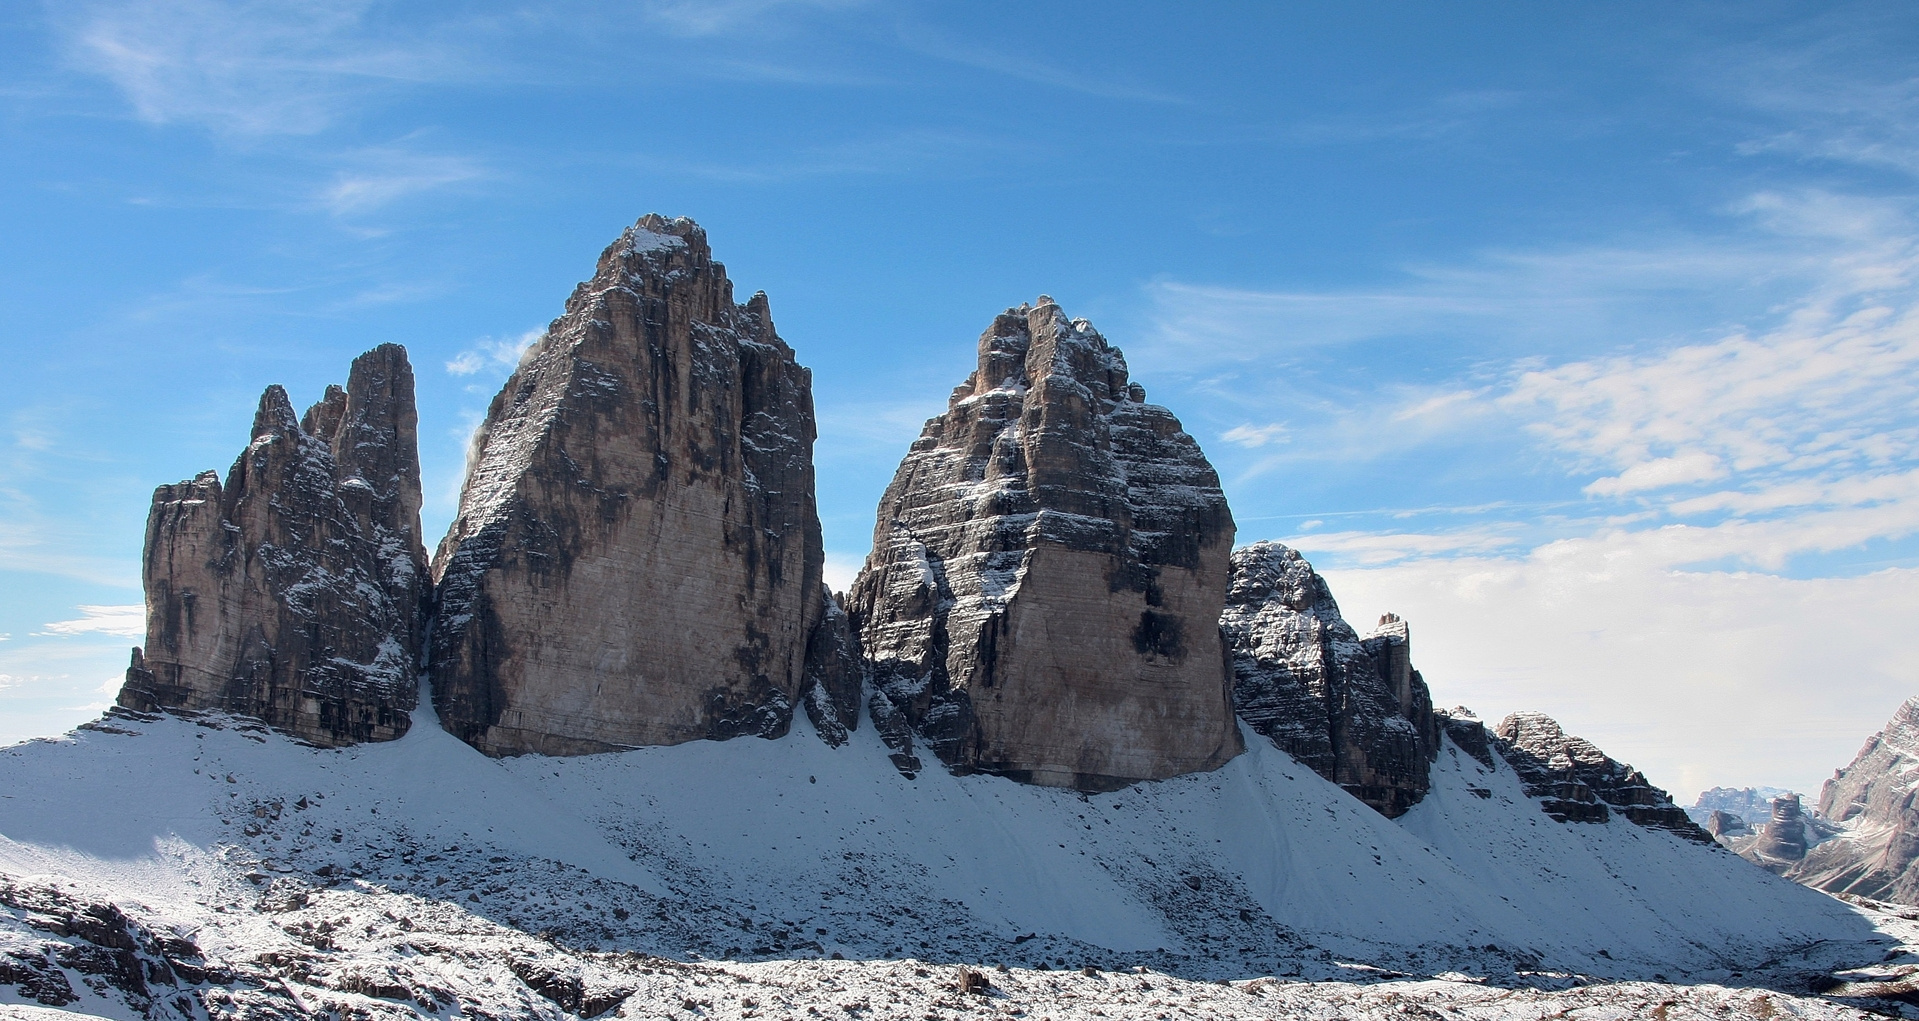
[[295, 593], [1353, 710], [636, 558], [1047, 573]]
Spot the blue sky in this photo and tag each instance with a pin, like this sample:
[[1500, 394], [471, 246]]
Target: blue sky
[[1583, 336]]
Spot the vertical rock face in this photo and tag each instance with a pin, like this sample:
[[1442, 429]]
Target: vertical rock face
[[636, 559], [295, 593], [1351, 709], [1576, 782], [1048, 568], [1866, 831]]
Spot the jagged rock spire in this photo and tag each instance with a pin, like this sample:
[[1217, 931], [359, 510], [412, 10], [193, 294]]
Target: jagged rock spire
[[295, 593], [1043, 595]]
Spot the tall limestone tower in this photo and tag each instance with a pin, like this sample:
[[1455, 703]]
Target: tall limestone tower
[[636, 559], [1048, 569]]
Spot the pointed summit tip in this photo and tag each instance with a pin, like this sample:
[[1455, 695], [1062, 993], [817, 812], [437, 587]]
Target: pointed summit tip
[[275, 415]]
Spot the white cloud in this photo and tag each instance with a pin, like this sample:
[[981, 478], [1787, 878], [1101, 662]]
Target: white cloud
[[121, 621], [497, 356], [1250, 435], [1659, 473]]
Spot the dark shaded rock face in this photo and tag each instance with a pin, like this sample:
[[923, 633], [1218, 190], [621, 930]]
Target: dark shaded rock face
[[1870, 807], [835, 674], [1351, 709], [636, 559], [1048, 568], [1576, 782], [295, 593]]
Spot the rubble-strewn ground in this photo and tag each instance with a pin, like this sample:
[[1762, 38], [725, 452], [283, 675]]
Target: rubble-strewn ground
[[357, 952], [167, 868]]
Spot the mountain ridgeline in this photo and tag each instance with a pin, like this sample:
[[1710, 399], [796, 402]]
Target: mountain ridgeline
[[1052, 596]]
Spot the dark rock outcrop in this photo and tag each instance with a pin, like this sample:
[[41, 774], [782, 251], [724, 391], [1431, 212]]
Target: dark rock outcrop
[[636, 559], [1865, 834], [1576, 782], [1048, 569], [1351, 709], [295, 592]]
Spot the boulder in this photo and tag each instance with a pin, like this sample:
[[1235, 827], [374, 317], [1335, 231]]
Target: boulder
[[1048, 569], [636, 559], [295, 592], [1351, 709]]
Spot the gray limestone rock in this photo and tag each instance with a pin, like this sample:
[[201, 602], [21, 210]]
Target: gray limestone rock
[[296, 591], [1576, 782], [636, 559], [1048, 569], [1351, 709]]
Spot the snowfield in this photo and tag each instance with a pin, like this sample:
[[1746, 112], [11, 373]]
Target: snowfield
[[206, 867]]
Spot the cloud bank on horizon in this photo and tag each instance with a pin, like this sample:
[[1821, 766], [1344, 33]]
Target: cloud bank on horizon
[[1588, 349]]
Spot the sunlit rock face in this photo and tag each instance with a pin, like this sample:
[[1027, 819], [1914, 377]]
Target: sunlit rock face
[[636, 559], [295, 592], [1048, 568], [1351, 709]]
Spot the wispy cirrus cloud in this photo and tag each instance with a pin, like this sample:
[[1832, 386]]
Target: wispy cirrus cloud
[[254, 68], [376, 177]]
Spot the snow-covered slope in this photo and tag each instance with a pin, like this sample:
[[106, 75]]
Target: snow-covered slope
[[794, 849]]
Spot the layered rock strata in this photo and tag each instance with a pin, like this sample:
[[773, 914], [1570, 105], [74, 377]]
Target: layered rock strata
[[295, 592], [1576, 782], [1048, 569], [636, 559], [1351, 709], [1865, 834]]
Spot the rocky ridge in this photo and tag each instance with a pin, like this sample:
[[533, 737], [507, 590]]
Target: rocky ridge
[[1047, 574], [295, 593], [1576, 782], [636, 559], [1351, 709]]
